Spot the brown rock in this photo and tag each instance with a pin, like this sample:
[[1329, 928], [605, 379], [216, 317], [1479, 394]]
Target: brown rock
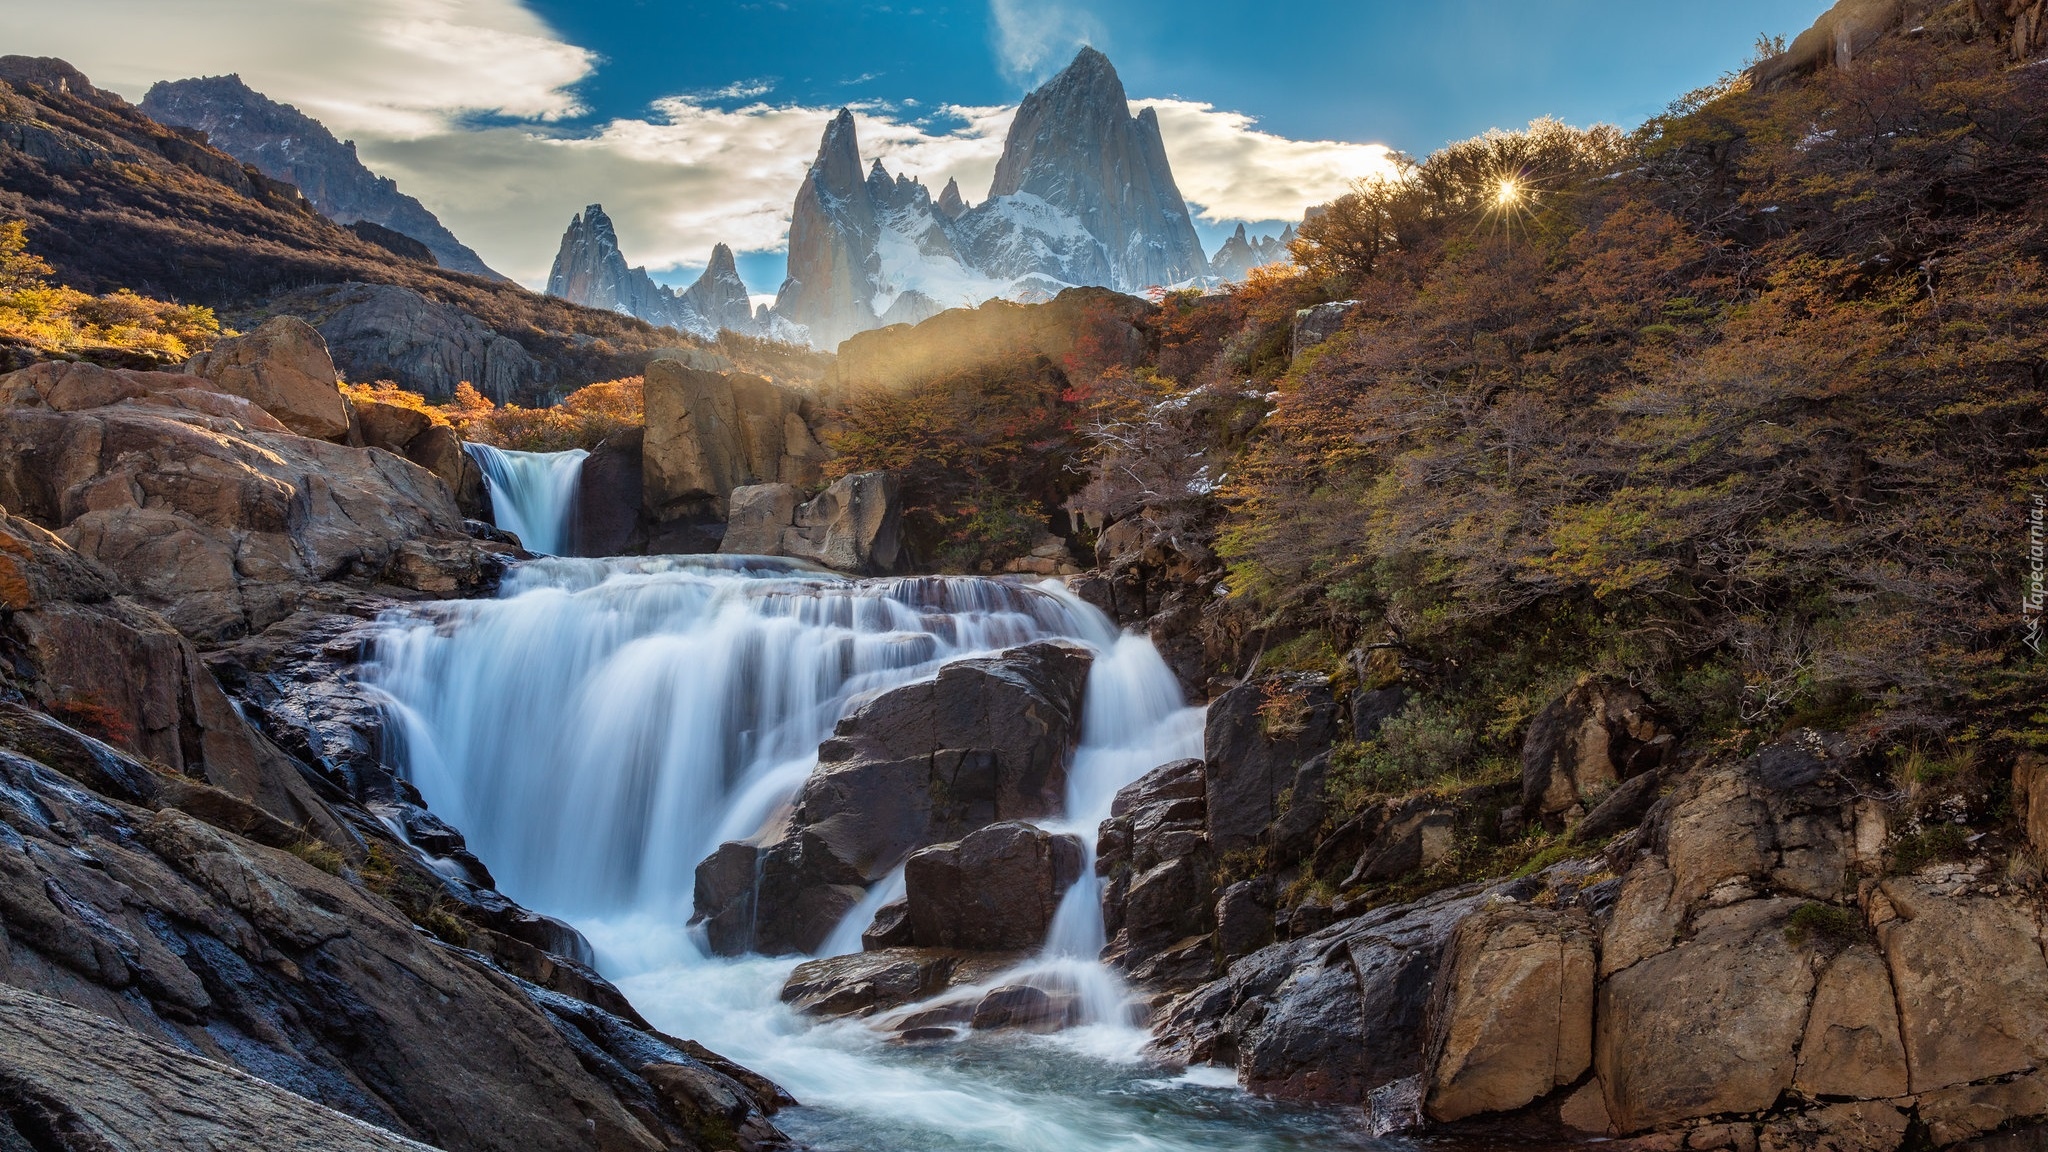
[[439, 450], [856, 525], [391, 427], [1585, 1111], [283, 368], [1955, 1114], [1852, 1045], [1512, 1018], [2030, 796], [995, 891], [1971, 981], [757, 515], [710, 432], [608, 497], [1861, 1126], [868, 982], [1585, 742], [1026, 1008], [1710, 1026], [1646, 918]]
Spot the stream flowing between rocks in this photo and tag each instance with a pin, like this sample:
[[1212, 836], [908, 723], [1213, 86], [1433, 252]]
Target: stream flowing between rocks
[[603, 725]]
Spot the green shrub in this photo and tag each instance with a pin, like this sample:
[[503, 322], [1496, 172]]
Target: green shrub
[[1932, 844], [1823, 925]]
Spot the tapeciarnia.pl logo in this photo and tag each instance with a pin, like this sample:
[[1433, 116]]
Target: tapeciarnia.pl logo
[[2037, 570]]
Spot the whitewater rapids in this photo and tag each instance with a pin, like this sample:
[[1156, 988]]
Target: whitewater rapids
[[602, 725]]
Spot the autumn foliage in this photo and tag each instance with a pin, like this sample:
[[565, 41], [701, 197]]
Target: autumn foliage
[[1745, 407], [50, 318]]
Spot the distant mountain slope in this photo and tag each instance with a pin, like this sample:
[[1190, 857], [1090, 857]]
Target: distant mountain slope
[[590, 270], [114, 199], [286, 144], [1083, 195]]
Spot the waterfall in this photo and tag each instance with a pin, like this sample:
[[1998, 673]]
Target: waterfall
[[604, 724], [533, 494]]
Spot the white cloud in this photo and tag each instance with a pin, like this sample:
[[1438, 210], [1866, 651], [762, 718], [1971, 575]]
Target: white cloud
[[390, 69], [404, 77], [1233, 171], [1034, 37]]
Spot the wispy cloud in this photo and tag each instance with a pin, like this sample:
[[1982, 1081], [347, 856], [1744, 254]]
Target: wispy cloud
[[1232, 171], [407, 80], [1033, 38]]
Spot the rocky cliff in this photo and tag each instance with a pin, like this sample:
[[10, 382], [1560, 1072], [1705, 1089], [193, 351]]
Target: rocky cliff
[[590, 270], [227, 920], [1083, 195], [286, 144], [1239, 254]]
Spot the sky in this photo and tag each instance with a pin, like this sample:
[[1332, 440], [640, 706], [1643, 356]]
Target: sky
[[693, 122]]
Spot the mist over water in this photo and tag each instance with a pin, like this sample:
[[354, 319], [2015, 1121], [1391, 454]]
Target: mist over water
[[604, 724], [533, 494]]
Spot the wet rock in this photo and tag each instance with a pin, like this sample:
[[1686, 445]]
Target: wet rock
[[1153, 856], [994, 891], [1025, 1008], [889, 929], [439, 451], [1258, 736], [1244, 918], [283, 368], [1372, 707], [1512, 1016], [1712, 1025], [2030, 797], [76, 1079], [1331, 1016], [756, 517], [1401, 837], [254, 958], [1585, 742], [1623, 807], [865, 983], [985, 741]]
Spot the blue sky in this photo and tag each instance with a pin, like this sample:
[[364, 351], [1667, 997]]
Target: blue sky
[[692, 122]]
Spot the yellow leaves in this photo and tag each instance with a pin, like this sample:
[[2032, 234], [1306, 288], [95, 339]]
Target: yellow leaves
[[1625, 544], [59, 319]]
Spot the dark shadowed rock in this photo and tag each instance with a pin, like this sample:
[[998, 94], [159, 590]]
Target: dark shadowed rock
[[994, 891], [1154, 860], [865, 983], [389, 332], [1259, 735], [985, 741], [1025, 1008], [609, 494]]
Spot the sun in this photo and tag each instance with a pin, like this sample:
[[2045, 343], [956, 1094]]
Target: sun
[[1507, 193]]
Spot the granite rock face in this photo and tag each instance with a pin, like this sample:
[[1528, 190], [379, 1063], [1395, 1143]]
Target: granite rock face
[[390, 332], [856, 525], [286, 144], [709, 433], [283, 368], [1083, 195], [591, 270]]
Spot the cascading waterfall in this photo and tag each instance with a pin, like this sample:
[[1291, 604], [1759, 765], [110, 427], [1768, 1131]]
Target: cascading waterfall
[[604, 724], [533, 494]]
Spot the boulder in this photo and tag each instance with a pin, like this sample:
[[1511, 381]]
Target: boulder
[[1258, 736], [866, 983], [392, 427], [1402, 836], [889, 929], [856, 525], [1025, 1008], [756, 517], [1332, 1016], [711, 432], [1312, 326], [1153, 856], [994, 891], [1712, 1025], [439, 450], [1511, 1019], [1960, 1113], [2030, 798], [1583, 743], [985, 741], [214, 521], [283, 368], [1244, 918]]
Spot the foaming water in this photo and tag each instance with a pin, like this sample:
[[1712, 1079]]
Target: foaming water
[[604, 724], [533, 494]]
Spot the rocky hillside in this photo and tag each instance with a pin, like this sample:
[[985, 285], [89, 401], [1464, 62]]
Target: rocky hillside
[[222, 912], [286, 144], [114, 199]]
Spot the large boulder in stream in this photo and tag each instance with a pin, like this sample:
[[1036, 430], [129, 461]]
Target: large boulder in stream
[[856, 525], [1157, 887], [996, 890], [984, 741], [709, 433]]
